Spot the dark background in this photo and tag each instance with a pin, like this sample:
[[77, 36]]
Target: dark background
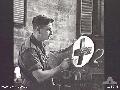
[[6, 43], [112, 41]]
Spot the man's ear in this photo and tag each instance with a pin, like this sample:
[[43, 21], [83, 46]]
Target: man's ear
[[35, 28], [38, 29]]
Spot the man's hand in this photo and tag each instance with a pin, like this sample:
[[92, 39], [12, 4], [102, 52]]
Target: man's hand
[[65, 63]]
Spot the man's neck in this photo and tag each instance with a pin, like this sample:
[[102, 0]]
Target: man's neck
[[35, 41]]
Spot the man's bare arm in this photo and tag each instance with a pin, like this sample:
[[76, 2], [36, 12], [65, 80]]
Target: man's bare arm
[[46, 74]]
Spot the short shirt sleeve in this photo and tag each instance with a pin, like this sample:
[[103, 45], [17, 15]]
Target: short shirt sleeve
[[30, 60]]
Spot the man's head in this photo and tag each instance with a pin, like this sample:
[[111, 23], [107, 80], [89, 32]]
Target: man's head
[[41, 27]]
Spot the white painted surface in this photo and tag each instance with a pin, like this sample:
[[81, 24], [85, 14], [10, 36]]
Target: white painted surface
[[86, 58], [17, 72]]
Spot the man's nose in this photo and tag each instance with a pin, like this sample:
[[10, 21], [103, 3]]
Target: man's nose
[[50, 32]]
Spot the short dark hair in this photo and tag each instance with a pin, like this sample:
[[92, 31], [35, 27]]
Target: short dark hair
[[41, 20]]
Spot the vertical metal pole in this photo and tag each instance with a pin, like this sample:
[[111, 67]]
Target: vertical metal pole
[[25, 12], [78, 15]]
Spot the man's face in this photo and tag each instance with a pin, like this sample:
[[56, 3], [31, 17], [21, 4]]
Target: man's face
[[43, 33]]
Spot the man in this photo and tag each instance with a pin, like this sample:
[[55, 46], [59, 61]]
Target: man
[[33, 60]]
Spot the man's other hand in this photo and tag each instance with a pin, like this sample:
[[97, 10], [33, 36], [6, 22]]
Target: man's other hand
[[65, 63]]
